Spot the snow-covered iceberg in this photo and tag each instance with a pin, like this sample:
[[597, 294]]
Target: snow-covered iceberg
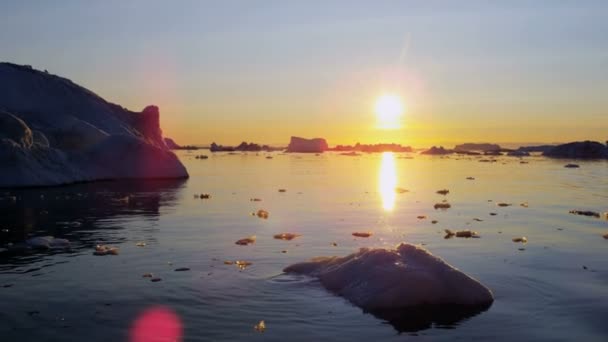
[[55, 132], [408, 286]]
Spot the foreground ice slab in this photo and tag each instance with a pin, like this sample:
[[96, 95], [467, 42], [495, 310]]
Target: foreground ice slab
[[408, 286], [54, 132]]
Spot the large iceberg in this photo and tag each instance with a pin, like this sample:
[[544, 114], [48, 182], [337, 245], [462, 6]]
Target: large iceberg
[[408, 286], [55, 132]]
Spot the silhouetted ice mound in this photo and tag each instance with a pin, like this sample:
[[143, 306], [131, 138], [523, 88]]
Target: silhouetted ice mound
[[579, 149], [408, 276], [54, 132]]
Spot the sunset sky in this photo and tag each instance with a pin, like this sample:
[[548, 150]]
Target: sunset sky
[[228, 71]]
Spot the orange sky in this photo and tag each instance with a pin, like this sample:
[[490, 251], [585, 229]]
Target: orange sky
[[474, 71]]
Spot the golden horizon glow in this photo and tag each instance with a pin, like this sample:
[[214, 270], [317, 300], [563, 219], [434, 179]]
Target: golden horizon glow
[[389, 109], [387, 181]]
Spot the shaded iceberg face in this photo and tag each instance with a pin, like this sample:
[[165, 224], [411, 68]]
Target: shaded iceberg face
[[54, 132], [407, 286]]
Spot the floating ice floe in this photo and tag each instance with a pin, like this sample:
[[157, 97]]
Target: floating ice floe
[[443, 205], [286, 236], [461, 234]]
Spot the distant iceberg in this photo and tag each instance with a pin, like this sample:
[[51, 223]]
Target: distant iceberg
[[55, 132], [302, 145], [579, 150]]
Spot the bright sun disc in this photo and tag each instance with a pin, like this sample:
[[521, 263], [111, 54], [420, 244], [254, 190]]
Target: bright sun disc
[[388, 112]]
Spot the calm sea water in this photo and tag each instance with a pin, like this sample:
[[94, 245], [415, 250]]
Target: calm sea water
[[554, 289]]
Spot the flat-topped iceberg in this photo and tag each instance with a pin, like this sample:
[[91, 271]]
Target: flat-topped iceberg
[[408, 286], [302, 145], [55, 132]]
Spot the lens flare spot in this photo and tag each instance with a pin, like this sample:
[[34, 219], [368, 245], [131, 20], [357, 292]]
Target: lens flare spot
[[155, 325]]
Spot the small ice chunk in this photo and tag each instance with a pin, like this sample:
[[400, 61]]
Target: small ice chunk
[[362, 234], [262, 214], [246, 241], [286, 236], [260, 327]]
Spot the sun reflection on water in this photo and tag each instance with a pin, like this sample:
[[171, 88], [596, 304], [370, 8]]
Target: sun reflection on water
[[387, 181]]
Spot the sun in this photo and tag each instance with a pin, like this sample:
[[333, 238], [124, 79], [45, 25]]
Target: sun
[[388, 111]]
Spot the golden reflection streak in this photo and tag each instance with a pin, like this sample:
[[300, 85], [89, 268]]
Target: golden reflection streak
[[387, 181]]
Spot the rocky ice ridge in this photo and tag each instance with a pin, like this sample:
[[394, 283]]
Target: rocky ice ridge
[[54, 132]]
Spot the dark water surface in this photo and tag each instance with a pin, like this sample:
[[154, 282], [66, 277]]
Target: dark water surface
[[556, 288]]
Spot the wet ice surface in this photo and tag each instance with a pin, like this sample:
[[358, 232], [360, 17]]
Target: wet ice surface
[[553, 289]]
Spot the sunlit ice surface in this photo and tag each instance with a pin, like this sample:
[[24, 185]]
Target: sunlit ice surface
[[387, 181], [542, 291]]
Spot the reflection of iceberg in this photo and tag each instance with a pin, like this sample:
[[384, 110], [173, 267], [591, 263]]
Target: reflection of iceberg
[[387, 181], [76, 211], [407, 286]]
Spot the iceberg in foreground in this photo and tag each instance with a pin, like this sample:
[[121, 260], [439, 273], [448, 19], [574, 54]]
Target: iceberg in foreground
[[408, 286], [55, 132]]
